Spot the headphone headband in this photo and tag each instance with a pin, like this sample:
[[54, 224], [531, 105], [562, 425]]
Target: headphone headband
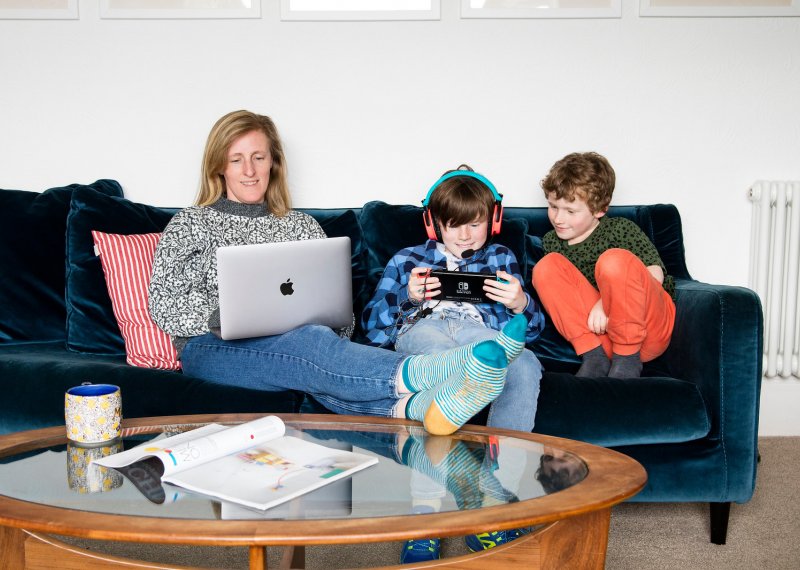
[[469, 174], [495, 219]]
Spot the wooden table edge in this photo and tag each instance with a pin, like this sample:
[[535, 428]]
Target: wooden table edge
[[613, 477]]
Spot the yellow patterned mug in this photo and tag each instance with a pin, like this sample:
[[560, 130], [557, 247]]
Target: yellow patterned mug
[[93, 412]]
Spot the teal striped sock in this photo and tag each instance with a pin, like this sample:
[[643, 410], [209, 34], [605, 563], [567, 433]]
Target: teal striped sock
[[458, 399], [512, 337], [426, 371]]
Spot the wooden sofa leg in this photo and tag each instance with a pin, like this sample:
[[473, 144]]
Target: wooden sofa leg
[[720, 512]]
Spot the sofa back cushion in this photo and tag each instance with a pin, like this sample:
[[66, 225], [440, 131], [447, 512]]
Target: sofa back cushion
[[661, 223], [32, 234], [91, 325]]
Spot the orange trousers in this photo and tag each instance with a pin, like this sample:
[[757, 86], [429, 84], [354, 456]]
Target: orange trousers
[[641, 314]]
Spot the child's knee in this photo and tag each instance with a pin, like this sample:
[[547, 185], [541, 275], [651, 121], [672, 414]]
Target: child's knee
[[549, 265], [614, 262]]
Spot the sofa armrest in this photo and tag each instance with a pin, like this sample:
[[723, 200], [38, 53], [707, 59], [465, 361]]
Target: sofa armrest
[[717, 343]]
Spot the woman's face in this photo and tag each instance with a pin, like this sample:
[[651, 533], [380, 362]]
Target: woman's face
[[247, 168]]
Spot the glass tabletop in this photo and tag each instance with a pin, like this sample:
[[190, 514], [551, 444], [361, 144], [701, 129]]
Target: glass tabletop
[[415, 473]]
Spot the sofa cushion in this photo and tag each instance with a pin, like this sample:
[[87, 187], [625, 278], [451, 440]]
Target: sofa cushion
[[128, 264], [614, 412], [91, 326], [32, 226], [388, 228]]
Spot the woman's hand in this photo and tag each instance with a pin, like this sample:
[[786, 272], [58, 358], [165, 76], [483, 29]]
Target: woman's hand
[[421, 286], [598, 321], [509, 292]]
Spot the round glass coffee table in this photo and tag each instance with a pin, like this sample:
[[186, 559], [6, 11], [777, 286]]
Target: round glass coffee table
[[476, 480]]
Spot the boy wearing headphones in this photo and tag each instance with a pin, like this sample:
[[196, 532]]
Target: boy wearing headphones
[[462, 211]]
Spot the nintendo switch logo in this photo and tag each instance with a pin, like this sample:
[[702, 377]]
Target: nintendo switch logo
[[463, 288], [286, 288]]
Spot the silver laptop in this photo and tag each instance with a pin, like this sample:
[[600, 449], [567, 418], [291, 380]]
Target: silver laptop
[[268, 289]]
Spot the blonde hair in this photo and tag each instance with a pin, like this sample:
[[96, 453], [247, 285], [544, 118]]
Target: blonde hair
[[225, 131]]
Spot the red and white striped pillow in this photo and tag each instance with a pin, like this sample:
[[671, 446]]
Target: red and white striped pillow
[[127, 262]]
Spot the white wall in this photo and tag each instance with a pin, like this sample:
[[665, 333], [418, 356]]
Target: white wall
[[690, 111]]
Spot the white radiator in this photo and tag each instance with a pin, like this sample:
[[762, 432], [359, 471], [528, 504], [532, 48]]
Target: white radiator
[[774, 261]]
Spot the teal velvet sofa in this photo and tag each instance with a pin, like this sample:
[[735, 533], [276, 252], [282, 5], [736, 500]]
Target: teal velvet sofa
[[691, 420]]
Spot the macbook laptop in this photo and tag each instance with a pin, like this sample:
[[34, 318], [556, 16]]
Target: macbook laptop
[[268, 289]]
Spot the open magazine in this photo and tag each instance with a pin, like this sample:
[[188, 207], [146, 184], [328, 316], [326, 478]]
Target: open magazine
[[253, 464]]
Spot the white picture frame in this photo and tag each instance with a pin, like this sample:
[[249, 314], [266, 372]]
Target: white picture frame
[[38, 9], [541, 8], [359, 10], [179, 9], [718, 8]]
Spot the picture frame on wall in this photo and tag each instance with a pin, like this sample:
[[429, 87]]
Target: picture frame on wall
[[718, 8], [38, 9], [359, 10], [179, 9], [541, 8]]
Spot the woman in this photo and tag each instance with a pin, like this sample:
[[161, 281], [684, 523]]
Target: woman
[[244, 199]]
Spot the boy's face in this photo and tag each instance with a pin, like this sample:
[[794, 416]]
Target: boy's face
[[457, 239], [573, 221]]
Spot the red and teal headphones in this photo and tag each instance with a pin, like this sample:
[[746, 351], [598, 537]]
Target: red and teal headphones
[[495, 220]]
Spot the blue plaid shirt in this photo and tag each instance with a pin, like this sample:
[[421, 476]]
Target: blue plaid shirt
[[390, 306]]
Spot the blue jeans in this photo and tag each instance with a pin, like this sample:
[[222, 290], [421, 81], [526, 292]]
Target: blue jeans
[[347, 378], [515, 408]]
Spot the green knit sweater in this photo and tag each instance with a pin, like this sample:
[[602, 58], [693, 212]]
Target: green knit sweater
[[610, 233]]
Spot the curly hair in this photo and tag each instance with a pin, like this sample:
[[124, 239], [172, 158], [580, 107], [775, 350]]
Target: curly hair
[[584, 175]]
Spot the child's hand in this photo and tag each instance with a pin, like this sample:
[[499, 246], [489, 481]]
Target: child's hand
[[509, 292], [598, 321], [421, 286]]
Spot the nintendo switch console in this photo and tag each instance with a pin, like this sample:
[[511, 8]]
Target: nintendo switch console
[[462, 286]]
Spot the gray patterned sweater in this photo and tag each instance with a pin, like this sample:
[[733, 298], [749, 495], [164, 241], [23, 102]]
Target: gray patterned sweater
[[184, 295]]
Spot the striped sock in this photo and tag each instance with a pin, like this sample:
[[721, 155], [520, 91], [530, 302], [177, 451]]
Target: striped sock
[[426, 371], [460, 398], [512, 337]]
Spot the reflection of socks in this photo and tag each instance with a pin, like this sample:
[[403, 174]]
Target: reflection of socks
[[629, 366], [426, 371], [512, 337], [595, 364], [460, 471], [457, 471], [460, 398]]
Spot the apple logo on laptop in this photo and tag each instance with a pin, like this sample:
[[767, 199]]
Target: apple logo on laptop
[[286, 288]]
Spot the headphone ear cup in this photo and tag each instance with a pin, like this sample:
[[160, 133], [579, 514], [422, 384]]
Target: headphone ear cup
[[430, 225], [497, 219]]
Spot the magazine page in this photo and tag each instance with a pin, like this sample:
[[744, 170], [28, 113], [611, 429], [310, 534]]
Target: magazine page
[[199, 446], [272, 472]]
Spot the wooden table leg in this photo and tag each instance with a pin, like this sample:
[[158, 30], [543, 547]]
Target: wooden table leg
[[258, 558], [577, 542], [12, 548]]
